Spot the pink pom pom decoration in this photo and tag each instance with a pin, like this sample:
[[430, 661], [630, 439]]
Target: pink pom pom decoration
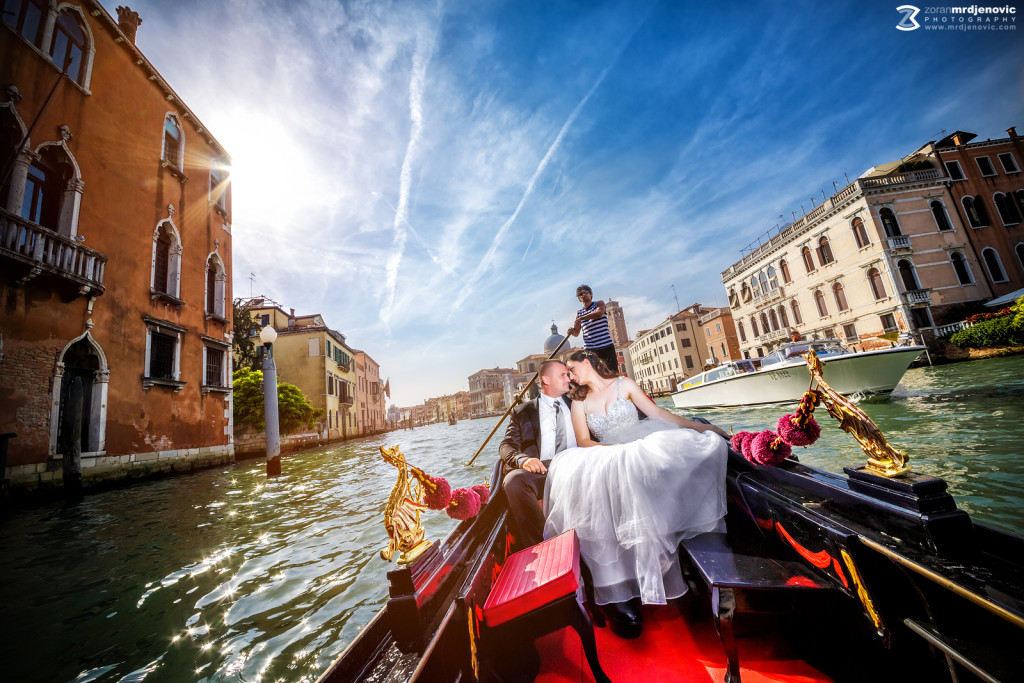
[[483, 492], [739, 440], [795, 435], [464, 504], [437, 492], [767, 449]]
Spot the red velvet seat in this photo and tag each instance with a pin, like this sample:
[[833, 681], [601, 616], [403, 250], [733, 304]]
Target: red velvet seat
[[538, 592]]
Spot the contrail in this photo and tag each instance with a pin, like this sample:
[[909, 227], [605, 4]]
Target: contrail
[[528, 247], [485, 262]]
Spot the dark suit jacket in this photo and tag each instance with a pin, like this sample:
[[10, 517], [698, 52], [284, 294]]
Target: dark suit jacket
[[522, 436]]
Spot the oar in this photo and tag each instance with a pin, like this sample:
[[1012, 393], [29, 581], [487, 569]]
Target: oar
[[518, 399]]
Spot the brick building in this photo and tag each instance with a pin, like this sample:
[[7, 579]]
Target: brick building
[[115, 252]]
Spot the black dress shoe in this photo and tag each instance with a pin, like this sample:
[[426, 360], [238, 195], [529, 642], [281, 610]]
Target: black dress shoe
[[624, 620]]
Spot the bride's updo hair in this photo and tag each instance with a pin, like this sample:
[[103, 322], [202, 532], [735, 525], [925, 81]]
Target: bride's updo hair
[[580, 391]]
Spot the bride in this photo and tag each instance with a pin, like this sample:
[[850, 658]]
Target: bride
[[638, 490]]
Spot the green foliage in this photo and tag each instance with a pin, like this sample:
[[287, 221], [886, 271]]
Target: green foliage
[[245, 351], [293, 410], [1004, 330]]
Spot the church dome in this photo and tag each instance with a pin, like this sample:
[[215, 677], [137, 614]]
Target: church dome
[[552, 342]]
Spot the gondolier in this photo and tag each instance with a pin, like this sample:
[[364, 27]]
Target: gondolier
[[591, 319]]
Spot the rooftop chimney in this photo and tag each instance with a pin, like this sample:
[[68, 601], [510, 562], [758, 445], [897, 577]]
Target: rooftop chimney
[[956, 139], [128, 21], [1012, 131]]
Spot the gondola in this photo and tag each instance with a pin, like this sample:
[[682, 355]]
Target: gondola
[[872, 574]]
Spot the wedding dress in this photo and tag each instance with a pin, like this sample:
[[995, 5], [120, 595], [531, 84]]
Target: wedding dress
[[633, 501]]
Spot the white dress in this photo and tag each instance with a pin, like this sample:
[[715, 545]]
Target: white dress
[[632, 502]]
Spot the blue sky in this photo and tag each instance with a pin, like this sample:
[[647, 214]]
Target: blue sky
[[437, 178]]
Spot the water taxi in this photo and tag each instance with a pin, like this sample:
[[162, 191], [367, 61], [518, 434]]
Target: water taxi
[[782, 375]]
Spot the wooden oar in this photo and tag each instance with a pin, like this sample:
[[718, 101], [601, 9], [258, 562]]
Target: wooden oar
[[516, 401]]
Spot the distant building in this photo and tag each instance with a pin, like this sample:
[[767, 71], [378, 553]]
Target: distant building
[[662, 357], [314, 358], [369, 406], [616, 324], [909, 247], [115, 253], [720, 336], [486, 390]]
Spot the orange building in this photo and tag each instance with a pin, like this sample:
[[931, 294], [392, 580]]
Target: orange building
[[115, 252]]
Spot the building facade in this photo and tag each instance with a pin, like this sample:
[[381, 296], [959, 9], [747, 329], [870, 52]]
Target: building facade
[[662, 357], [115, 253], [369, 406], [720, 336], [889, 253], [487, 390], [316, 359]]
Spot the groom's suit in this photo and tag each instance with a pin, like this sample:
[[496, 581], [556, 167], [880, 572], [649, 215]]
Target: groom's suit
[[523, 439]]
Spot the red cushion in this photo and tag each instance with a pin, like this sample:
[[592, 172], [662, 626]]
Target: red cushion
[[534, 577]]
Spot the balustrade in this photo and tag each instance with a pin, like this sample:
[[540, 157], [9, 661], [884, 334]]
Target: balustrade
[[899, 242], [33, 244]]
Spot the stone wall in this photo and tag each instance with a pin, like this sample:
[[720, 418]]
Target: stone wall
[[254, 445]]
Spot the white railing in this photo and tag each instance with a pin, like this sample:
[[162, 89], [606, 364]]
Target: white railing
[[60, 254], [947, 330], [899, 242]]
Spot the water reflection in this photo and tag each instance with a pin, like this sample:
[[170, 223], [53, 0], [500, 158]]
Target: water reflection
[[224, 576]]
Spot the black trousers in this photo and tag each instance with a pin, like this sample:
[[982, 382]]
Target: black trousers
[[522, 490], [608, 355]]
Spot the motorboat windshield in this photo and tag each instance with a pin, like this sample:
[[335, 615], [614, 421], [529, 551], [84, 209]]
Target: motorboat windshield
[[790, 351]]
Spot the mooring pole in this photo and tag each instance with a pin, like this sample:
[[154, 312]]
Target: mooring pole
[[273, 426]]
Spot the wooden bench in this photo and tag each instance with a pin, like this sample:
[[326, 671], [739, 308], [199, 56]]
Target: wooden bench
[[538, 592], [737, 574]]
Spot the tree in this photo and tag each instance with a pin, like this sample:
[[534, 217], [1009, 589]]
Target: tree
[[245, 353], [293, 409]]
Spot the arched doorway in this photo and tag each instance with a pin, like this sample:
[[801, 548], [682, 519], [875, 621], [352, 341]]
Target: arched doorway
[[82, 359]]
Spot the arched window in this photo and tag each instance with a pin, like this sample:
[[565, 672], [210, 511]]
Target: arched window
[[26, 18], [753, 326], [963, 273], [743, 334], [940, 216], [783, 320], [994, 264], [860, 233], [824, 251], [215, 285], [875, 282], [174, 143], [892, 227], [784, 267], [764, 282], [41, 203], [754, 287], [808, 259], [1007, 209], [68, 45], [840, 296], [974, 208], [907, 275], [774, 319], [745, 292], [166, 260], [765, 327], [773, 279], [797, 318], [819, 301]]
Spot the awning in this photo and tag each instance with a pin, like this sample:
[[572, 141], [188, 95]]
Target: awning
[[1005, 300]]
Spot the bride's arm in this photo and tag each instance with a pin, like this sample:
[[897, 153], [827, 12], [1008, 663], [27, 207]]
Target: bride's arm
[[651, 409], [579, 425]]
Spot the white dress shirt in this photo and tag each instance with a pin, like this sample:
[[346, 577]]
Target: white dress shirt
[[546, 406]]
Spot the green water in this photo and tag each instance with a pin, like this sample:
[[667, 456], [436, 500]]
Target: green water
[[224, 576]]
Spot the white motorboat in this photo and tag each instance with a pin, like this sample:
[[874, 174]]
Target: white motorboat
[[782, 375]]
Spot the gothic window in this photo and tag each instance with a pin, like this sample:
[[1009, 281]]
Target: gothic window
[[824, 252], [219, 187], [975, 210], [1007, 209], [860, 233], [215, 282], [784, 267], [963, 273], [876, 284], [774, 320], [42, 194], [994, 264], [68, 45], [783, 320], [765, 327], [166, 260], [743, 334], [892, 227], [819, 301], [907, 275], [26, 17], [755, 287], [797, 318], [753, 326], [840, 296], [773, 279], [764, 282], [174, 143], [940, 215], [808, 259]]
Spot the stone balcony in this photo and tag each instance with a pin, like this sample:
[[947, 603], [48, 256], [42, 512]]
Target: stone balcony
[[769, 337], [771, 296], [899, 243], [29, 251], [917, 297]]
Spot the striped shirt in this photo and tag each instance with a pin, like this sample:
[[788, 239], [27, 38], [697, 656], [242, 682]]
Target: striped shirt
[[595, 332]]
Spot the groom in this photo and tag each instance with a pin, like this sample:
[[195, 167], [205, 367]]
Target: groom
[[538, 429]]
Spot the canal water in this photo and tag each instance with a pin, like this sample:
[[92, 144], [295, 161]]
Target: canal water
[[226, 576]]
